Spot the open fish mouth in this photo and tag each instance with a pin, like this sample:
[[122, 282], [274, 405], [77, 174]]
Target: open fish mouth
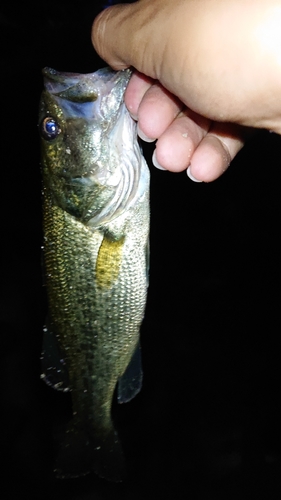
[[88, 88]]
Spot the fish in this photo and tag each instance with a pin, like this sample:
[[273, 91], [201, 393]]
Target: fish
[[96, 253]]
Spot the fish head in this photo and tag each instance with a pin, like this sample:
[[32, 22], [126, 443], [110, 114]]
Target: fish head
[[80, 120]]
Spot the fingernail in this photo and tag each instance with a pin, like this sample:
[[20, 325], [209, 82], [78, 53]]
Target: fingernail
[[191, 176], [155, 162], [129, 108], [143, 136], [135, 117]]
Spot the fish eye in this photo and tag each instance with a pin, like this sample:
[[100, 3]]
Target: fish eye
[[50, 128]]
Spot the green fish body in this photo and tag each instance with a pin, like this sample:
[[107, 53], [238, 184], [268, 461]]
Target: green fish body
[[96, 225]]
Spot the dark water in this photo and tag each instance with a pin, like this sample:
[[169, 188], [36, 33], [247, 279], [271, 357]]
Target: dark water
[[206, 424]]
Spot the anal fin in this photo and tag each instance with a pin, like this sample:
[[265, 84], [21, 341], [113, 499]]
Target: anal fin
[[129, 385]]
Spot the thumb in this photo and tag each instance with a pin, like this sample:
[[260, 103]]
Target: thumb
[[109, 36], [123, 36]]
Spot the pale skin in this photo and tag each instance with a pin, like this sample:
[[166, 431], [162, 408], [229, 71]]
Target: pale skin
[[208, 72]]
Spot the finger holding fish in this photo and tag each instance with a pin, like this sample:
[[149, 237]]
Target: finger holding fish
[[185, 140], [188, 47]]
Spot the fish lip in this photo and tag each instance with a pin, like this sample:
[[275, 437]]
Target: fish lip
[[55, 75], [60, 83]]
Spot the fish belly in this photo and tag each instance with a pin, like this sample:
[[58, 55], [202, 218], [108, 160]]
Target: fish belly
[[96, 283]]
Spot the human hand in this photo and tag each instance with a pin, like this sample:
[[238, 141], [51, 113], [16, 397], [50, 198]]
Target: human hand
[[208, 71]]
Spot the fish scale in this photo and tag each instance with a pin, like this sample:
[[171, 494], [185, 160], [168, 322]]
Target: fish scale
[[96, 228]]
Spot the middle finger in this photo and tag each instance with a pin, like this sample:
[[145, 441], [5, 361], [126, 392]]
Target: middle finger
[[178, 142]]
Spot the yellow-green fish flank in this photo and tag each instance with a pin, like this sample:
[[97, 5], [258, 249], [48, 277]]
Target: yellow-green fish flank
[[96, 224]]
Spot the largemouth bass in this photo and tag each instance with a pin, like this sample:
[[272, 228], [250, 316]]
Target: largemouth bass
[[96, 224]]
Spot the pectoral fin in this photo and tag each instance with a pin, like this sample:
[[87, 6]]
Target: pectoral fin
[[109, 261], [129, 385], [54, 372]]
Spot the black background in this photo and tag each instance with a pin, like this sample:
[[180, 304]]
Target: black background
[[207, 422]]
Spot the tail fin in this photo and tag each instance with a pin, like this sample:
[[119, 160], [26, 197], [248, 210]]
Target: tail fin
[[108, 460], [80, 453]]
